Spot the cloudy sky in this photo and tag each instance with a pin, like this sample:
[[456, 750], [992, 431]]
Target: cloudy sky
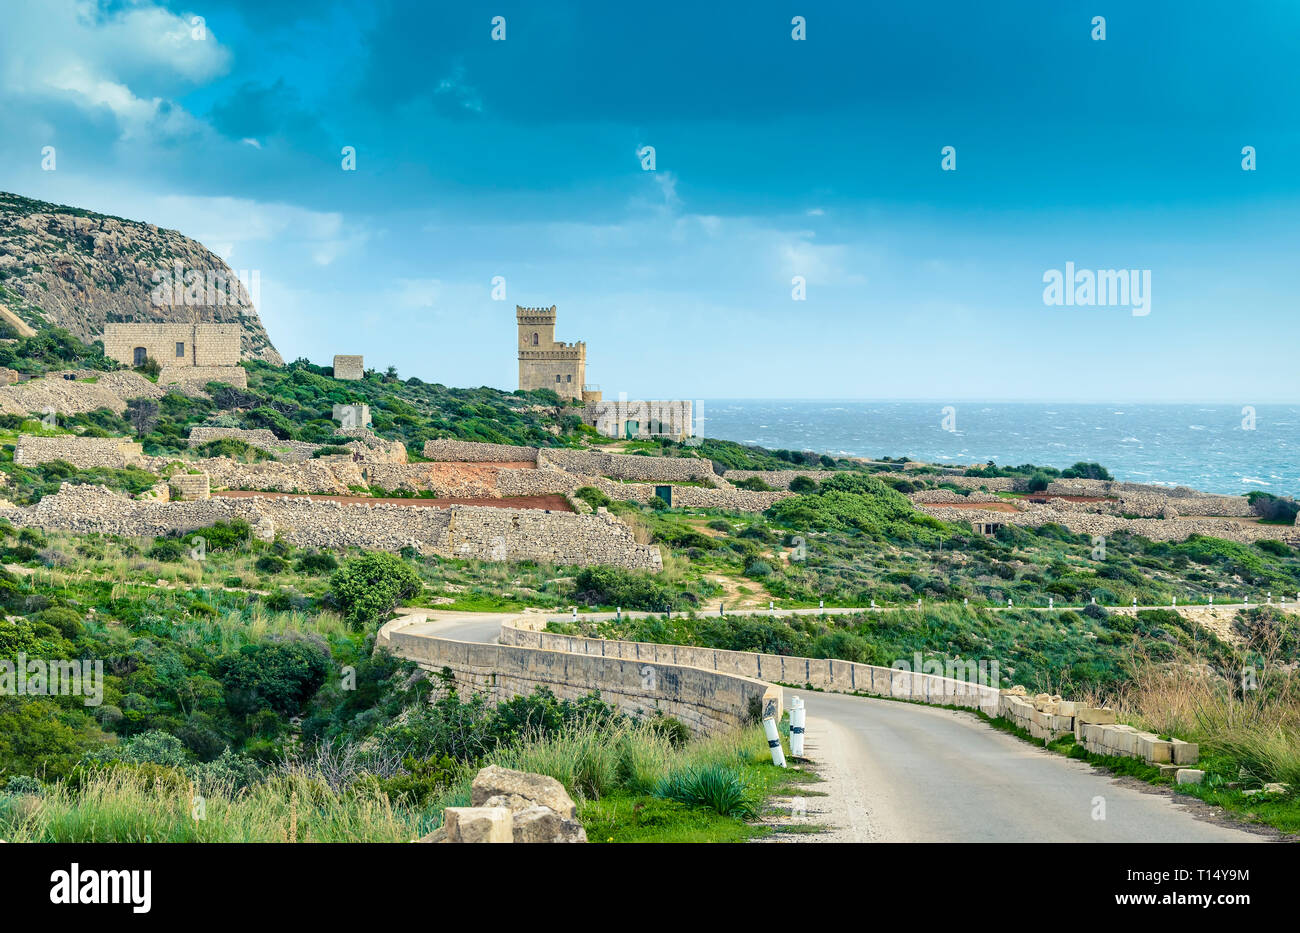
[[774, 159]]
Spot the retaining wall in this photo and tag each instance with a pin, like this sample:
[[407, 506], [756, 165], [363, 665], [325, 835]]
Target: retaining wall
[[820, 673], [82, 452], [473, 532], [470, 452], [706, 701]]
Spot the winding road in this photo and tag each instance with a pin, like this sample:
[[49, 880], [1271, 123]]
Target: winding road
[[902, 772]]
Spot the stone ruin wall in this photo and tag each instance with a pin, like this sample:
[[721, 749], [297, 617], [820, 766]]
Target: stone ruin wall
[[629, 467], [82, 452], [1092, 523], [453, 451], [478, 532]]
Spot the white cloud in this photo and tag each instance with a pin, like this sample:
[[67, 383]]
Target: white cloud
[[127, 61]]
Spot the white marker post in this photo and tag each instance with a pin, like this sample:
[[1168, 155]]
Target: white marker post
[[774, 741], [797, 714]]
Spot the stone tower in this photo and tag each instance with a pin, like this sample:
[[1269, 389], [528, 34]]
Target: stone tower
[[545, 363]]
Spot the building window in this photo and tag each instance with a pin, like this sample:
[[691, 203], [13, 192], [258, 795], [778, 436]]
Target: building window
[[140, 355], [557, 378], [180, 350], [568, 378], [534, 339]]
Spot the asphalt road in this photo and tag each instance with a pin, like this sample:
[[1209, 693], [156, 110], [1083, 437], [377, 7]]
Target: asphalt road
[[901, 772]]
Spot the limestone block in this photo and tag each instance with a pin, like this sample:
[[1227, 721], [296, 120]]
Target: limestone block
[[478, 824], [542, 824], [1094, 714], [495, 781], [1122, 739], [1188, 776], [1152, 748], [1184, 753]]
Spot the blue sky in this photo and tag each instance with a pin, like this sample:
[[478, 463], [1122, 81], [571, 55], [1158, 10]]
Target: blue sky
[[774, 158]]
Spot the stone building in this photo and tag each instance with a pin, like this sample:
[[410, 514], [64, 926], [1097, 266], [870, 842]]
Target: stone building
[[544, 362], [636, 418], [173, 345], [349, 367]]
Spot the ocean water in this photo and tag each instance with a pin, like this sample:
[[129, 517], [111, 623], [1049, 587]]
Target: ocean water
[[1206, 446]]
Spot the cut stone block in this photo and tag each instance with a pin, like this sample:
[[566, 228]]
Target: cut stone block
[[1189, 776], [479, 824], [1185, 753], [1094, 714], [1154, 749]]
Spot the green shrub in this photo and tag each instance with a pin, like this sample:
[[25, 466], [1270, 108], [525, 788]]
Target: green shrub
[[802, 484], [753, 483], [367, 588], [593, 497], [317, 562]]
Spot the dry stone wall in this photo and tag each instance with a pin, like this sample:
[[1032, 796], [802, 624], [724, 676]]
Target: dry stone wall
[[1089, 523], [629, 467], [468, 452], [477, 532], [82, 452], [727, 498]]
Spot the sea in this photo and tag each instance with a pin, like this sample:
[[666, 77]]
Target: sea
[[1221, 448]]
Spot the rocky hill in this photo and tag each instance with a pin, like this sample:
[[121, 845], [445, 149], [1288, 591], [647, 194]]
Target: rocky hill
[[77, 270]]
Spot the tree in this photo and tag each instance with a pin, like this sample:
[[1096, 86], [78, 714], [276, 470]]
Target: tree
[[142, 413], [366, 588]]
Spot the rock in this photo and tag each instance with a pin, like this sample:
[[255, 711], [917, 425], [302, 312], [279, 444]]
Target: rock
[[1276, 788], [547, 791], [512, 802], [478, 824], [438, 835], [542, 824], [1188, 776]]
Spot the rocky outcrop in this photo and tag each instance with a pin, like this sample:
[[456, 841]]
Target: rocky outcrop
[[512, 806], [78, 270]]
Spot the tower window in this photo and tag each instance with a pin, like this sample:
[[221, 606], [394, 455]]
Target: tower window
[[180, 350], [534, 339], [557, 377], [568, 378]]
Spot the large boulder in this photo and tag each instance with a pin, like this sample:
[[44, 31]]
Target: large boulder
[[494, 781], [542, 824]]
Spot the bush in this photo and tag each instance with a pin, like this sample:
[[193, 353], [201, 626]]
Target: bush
[[758, 569], [1039, 482], [271, 563], [593, 497], [279, 676], [614, 586], [754, 484], [317, 562], [1274, 547], [367, 588], [168, 550], [1273, 508], [802, 484]]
